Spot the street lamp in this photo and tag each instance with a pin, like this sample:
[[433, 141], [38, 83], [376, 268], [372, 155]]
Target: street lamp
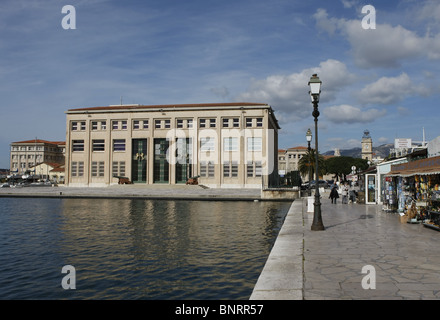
[[315, 91], [309, 139]]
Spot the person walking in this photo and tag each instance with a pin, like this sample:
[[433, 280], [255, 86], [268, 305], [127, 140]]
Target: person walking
[[344, 193], [334, 193]]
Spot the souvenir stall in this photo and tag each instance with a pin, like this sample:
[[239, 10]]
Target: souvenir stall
[[416, 188]]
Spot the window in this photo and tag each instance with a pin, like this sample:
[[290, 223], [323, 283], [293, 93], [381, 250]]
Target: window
[[94, 125], [230, 144], [212, 123], [189, 123], [248, 122], [136, 125], [226, 170], [97, 168], [230, 169], [157, 124], [103, 125], [207, 144], [145, 124], [184, 123], [235, 122], [83, 125], [74, 126], [118, 168], [124, 125], [167, 124], [202, 123], [259, 122], [77, 145], [77, 168], [207, 169], [98, 145], [115, 125], [254, 169], [254, 144], [179, 123], [119, 145]]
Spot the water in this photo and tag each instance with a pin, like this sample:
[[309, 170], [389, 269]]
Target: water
[[135, 249]]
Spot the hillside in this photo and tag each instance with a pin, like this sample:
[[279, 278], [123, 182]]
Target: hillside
[[381, 151]]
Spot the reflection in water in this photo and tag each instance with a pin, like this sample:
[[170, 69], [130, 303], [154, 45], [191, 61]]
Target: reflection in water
[[135, 249]]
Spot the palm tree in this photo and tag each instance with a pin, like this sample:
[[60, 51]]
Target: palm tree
[[309, 160]]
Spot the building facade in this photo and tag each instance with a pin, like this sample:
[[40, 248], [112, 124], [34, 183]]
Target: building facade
[[27, 154], [224, 145]]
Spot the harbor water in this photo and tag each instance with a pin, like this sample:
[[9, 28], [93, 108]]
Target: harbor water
[[135, 249]]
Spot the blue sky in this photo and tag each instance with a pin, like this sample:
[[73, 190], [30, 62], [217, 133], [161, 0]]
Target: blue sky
[[385, 80]]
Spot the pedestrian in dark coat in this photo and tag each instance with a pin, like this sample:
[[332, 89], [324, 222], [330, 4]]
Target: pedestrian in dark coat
[[334, 193]]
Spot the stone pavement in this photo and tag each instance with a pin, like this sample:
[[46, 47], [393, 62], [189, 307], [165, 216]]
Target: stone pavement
[[310, 265]]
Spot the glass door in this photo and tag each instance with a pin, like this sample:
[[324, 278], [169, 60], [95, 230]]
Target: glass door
[[139, 161], [161, 165]]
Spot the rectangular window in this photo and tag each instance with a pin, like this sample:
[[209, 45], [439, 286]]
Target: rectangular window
[[259, 122], [94, 168], [250, 169], [77, 145], [254, 169], [207, 144], [236, 122], [103, 125], [74, 168], [254, 144], [225, 122], [115, 125], [119, 145], [101, 168], [226, 170], [74, 125], [212, 123], [167, 124], [80, 168], [83, 125], [98, 145], [136, 125], [179, 123], [234, 169], [157, 124], [230, 144], [202, 123], [189, 123], [248, 122], [145, 124], [94, 125], [124, 125]]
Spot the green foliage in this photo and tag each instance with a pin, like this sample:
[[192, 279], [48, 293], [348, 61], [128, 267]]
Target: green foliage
[[341, 166], [309, 161]]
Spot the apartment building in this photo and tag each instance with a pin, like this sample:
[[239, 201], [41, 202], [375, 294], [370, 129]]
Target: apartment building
[[224, 144], [27, 154]]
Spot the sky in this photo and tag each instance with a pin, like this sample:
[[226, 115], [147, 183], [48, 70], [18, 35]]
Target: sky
[[383, 79]]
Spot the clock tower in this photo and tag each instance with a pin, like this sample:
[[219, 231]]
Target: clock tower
[[367, 146]]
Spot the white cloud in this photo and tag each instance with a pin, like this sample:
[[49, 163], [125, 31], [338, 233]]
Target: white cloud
[[288, 94], [386, 46], [389, 90], [349, 114]]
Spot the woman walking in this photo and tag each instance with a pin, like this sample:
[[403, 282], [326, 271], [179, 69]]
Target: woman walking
[[334, 193]]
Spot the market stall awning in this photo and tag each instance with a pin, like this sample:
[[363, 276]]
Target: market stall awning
[[420, 167]]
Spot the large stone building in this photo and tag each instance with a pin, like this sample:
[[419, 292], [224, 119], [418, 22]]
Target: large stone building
[[27, 154], [225, 144]]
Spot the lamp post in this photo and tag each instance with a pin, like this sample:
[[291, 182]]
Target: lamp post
[[315, 90], [309, 139]]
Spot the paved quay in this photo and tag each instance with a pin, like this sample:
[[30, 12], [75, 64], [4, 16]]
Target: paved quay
[[175, 192], [403, 259]]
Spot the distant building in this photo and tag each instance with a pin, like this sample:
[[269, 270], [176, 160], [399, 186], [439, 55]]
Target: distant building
[[27, 154], [49, 171], [367, 146], [224, 144]]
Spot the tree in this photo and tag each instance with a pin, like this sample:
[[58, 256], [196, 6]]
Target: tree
[[341, 166], [309, 160]]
